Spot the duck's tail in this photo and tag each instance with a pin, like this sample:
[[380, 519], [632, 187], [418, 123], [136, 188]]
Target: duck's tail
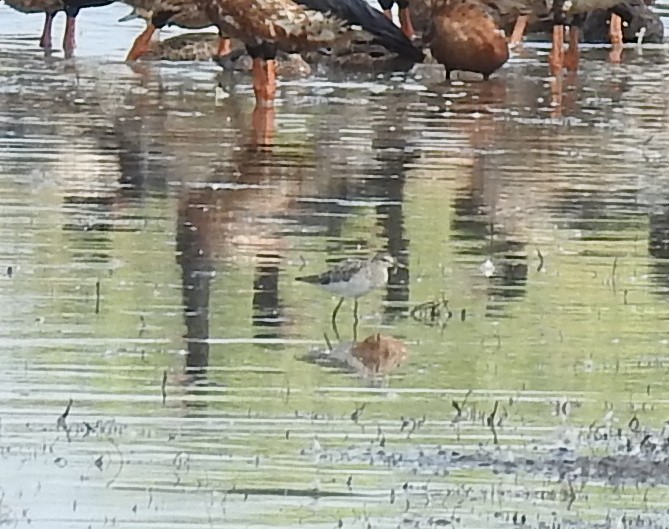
[[360, 13]]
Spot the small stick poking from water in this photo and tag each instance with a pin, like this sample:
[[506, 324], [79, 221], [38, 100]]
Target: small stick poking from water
[[163, 386], [613, 273], [97, 297], [358, 411], [61, 420], [491, 422], [327, 341], [459, 407], [541, 260]]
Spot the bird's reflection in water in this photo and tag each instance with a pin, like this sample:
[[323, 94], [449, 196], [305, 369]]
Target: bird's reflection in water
[[233, 224], [503, 252], [658, 249], [394, 154]]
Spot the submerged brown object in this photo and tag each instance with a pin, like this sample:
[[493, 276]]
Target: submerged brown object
[[186, 47], [379, 354], [463, 35], [185, 14]]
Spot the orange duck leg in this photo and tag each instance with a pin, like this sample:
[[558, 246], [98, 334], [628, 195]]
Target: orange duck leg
[[556, 57], [405, 23], [518, 30], [573, 55], [69, 42], [224, 46], [45, 40], [616, 35], [264, 81], [141, 44]]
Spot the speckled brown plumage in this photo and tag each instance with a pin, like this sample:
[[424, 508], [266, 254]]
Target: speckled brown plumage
[[283, 22], [463, 35], [36, 6], [185, 14]]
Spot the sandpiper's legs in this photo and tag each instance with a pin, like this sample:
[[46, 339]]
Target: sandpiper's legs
[[45, 40], [334, 318], [616, 35]]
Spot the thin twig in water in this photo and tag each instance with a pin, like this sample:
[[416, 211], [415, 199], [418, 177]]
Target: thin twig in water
[[163, 386], [491, 422], [327, 341], [97, 297], [572, 494], [60, 423], [120, 463], [459, 407], [358, 411], [541, 260], [613, 273]]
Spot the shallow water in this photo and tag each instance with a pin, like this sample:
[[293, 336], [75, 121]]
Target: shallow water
[[545, 227]]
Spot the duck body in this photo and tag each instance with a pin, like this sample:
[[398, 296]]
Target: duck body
[[269, 26], [299, 25], [463, 35], [36, 6], [186, 14], [180, 13]]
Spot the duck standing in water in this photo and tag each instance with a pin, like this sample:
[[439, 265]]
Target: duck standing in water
[[160, 13], [464, 35], [573, 14], [267, 26], [51, 8]]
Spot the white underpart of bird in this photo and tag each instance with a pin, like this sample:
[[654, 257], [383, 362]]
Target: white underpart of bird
[[358, 284]]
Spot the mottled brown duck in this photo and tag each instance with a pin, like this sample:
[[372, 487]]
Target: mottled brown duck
[[158, 14], [573, 13], [267, 26], [50, 8], [464, 35]]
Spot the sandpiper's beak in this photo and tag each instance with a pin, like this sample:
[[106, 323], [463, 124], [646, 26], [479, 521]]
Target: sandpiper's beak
[[130, 16]]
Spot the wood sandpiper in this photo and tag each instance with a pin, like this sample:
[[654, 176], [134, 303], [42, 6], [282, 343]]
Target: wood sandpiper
[[354, 278]]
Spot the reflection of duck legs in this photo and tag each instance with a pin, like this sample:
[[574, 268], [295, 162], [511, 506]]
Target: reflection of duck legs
[[263, 123]]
